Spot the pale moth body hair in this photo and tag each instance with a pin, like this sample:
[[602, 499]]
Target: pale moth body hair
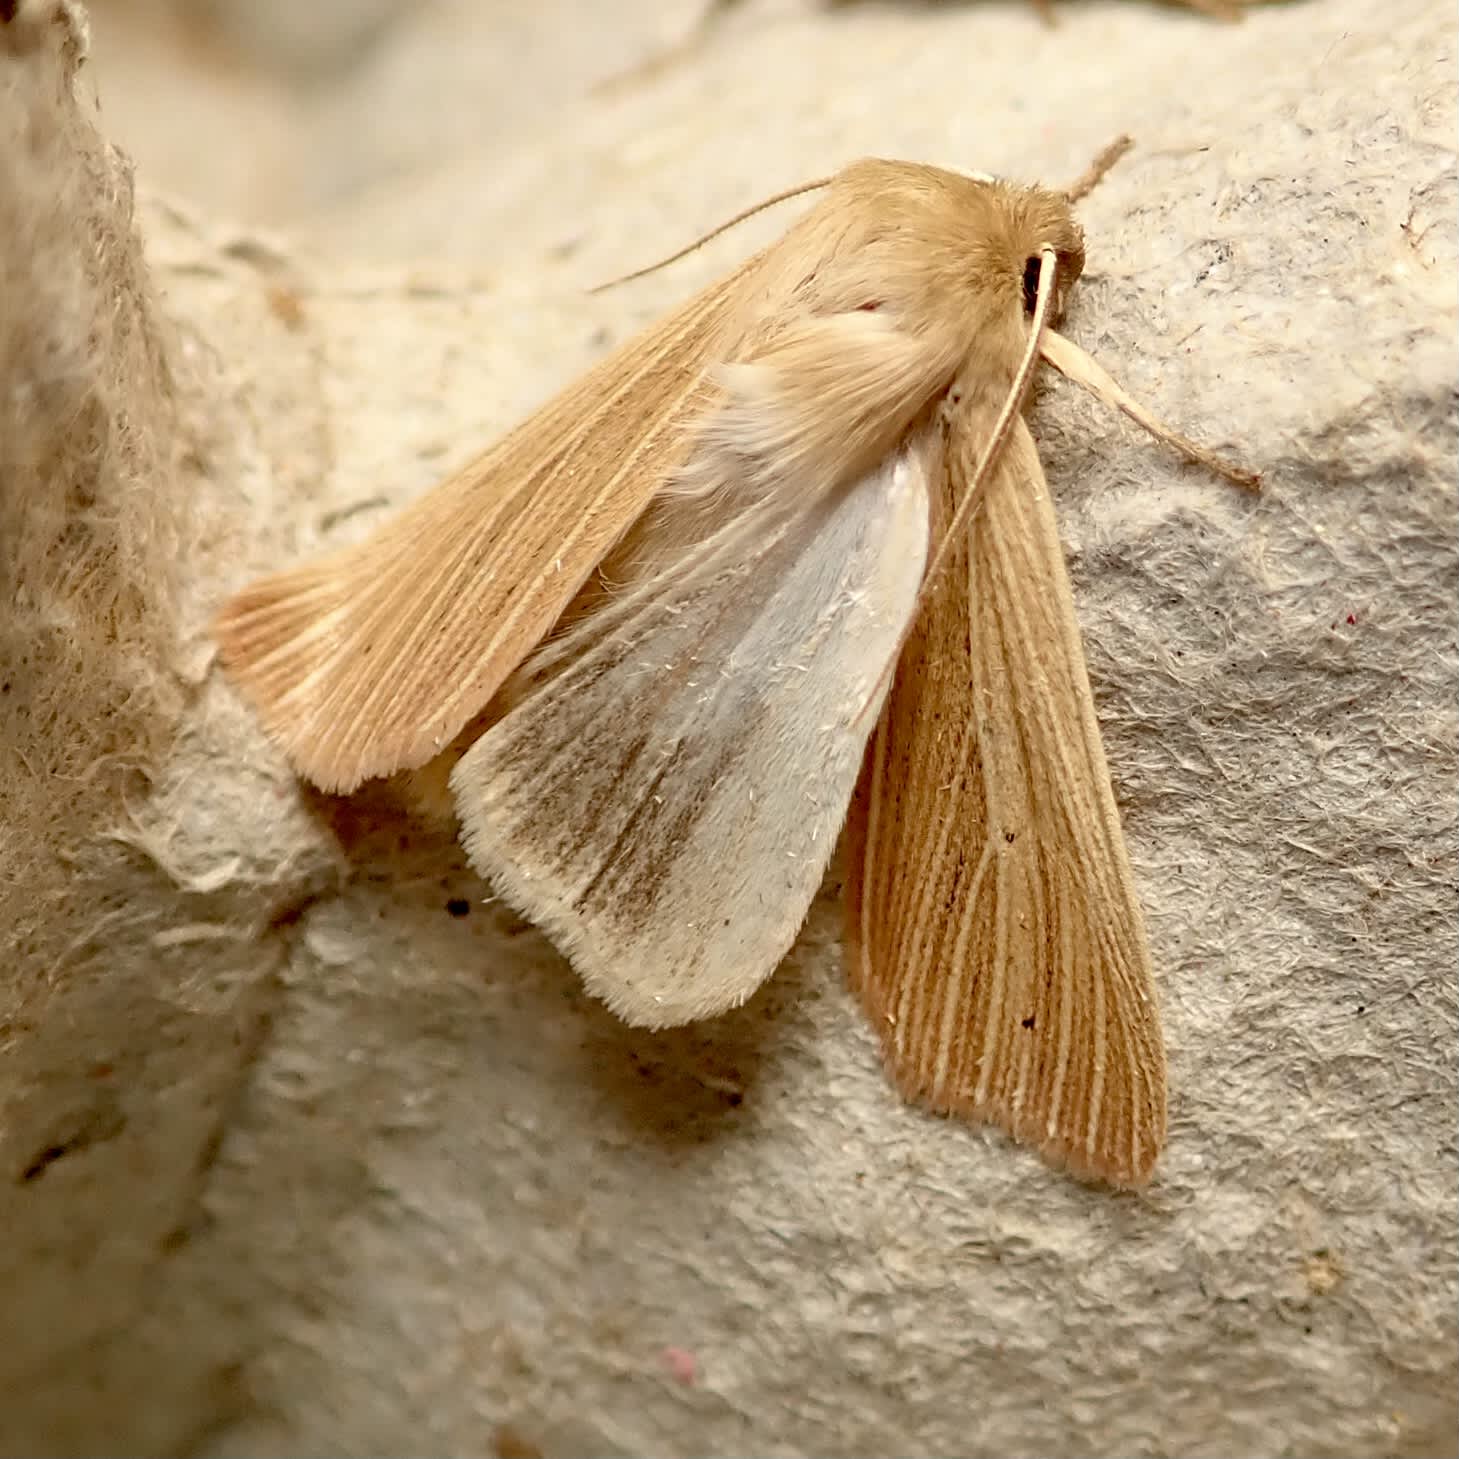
[[785, 562]]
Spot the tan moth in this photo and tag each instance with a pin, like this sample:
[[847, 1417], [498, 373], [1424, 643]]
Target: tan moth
[[787, 554]]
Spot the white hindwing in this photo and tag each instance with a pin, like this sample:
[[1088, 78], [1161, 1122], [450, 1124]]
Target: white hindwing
[[664, 805]]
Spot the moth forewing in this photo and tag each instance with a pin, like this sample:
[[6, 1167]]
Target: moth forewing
[[996, 939], [665, 804], [369, 660]]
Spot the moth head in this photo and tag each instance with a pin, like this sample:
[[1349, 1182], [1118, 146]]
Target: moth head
[[1018, 224], [940, 255], [1040, 220]]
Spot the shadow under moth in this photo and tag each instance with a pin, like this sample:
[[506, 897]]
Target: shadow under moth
[[783, 562]]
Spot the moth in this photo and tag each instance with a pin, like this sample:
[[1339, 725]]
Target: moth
[[784, 561]]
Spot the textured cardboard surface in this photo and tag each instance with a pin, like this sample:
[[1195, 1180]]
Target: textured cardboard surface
[[337, 1167]]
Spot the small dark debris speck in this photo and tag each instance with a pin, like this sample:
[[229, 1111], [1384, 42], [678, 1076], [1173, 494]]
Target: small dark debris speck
[[458, 906], [510, 1443], [48, 1156]]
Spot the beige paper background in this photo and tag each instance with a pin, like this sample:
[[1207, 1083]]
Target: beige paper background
[[295, 1160]]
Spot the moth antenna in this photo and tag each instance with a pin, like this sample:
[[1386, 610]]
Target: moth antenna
[[973, 496], [770, 202], [1099, 169], [1074, 364]]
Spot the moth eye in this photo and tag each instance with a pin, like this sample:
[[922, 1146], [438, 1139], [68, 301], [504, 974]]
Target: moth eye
[[1032, 270]]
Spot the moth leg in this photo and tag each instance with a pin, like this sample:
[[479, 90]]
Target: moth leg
[[1076, 365]]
